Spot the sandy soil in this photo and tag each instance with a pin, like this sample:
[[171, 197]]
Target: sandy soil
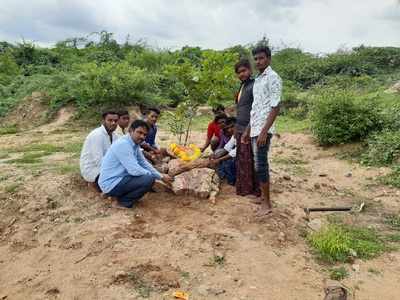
[[58, 240]]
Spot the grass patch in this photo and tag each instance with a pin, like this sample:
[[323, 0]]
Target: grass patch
[[141, 287], [68, 169], [289, 161], [73, 148], [12, 129], [290, 125], [29, 158], [338, 273], [392, 179], [393, 221], [4, 155], [394, 238], [12, 188], [342, 243]]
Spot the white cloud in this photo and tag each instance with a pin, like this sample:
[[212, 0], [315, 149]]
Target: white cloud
[[317, 26]]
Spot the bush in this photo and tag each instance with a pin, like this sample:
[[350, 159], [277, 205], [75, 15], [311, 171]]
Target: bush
[[383, 148], [105, 85], [338, 117]]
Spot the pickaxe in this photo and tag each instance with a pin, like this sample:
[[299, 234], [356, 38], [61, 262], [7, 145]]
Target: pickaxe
[[356, 208]]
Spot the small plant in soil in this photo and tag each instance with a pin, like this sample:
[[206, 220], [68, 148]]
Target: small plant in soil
[[218, 260], [374, 271], [338, 273]]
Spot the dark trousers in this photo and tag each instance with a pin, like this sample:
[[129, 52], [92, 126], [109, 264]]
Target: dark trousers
[[227, 169], [131, 189]]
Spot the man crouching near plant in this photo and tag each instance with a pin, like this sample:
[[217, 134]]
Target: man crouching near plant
[[265, 108], [125, 173]]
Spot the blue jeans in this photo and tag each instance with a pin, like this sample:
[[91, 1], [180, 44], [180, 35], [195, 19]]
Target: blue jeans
[[227, 169], [131, 188]]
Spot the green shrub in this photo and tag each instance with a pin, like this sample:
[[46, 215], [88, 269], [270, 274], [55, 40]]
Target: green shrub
[[338, 117], [383, 148], [342, 243]]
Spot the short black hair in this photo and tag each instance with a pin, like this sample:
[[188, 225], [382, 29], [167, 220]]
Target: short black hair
[[230, 121], [220, 116], [109, 112], [154, 109], [218, 108], [244, 62], [262, 49], [123, 113], [139, 123]]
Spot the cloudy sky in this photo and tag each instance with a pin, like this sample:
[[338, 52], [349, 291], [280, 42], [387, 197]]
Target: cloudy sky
[[313, 25]]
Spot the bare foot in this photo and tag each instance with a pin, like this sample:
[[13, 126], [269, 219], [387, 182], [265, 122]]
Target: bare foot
[[255, 200], [264, 210]]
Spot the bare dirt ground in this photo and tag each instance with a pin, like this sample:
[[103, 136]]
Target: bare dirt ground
[[58, 240]]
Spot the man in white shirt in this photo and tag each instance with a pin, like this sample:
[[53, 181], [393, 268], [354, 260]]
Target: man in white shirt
[[267, 91], [95, 147], [123, 123]]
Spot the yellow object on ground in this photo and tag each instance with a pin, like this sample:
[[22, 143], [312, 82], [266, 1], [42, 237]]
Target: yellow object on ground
[[190, 153], [181, 295]]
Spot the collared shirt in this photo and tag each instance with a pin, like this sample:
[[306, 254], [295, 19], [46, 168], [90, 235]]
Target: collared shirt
[[120, 132], [267, 91], [122, 159], [230, 146], [151, 136], [94, 148], [243, 105]]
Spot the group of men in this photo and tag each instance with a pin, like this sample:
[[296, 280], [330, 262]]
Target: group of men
[[117, 160]]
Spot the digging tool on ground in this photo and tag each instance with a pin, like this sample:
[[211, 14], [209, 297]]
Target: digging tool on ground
[[357, 208]]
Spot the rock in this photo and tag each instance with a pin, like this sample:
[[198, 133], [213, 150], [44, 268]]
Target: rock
[[317, 186], [197, 182], [349, 174], [202, 290], [315, 224], [53, 291], [394, 88], [216, 291], [120, 275], [335, 291], [286, 177], [356, 268], [281, 237], [322, 175]]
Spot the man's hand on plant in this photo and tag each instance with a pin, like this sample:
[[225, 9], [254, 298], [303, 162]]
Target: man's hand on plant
[[167, 179]]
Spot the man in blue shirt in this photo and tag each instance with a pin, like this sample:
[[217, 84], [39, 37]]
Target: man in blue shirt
[[125, 173]]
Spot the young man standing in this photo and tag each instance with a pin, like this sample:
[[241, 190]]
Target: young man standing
[[95, 147], [123, 123], [125, 173], [246, 181], [267, 91]]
